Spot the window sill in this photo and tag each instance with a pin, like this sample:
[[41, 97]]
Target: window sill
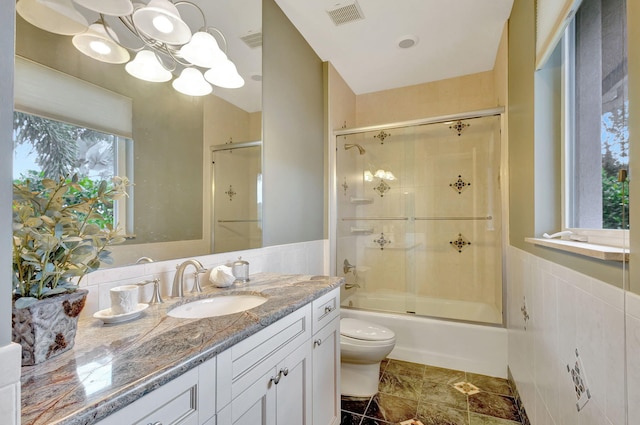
[[601, 252]]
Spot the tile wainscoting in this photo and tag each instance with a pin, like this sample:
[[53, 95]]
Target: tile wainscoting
[[297, 258], [558, 319]]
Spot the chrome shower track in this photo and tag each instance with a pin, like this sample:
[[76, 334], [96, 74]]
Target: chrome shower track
[[431, 120]]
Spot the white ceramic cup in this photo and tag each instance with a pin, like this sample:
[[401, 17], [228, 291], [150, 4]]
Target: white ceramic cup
[[124, 299]]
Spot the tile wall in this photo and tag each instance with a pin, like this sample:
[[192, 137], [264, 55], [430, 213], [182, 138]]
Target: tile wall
[[303, 258], [554, 311]]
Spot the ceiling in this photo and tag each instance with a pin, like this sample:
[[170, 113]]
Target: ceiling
[[454, 38]]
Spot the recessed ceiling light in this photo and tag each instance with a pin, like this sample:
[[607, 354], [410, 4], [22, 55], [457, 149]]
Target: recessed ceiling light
[[407, 41]]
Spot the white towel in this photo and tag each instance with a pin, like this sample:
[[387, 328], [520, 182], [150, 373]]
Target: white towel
[[222, 276]]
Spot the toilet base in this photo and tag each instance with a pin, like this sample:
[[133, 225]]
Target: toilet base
[[359, 380]]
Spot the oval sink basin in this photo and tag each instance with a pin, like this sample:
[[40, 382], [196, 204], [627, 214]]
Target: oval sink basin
[[217, 306]]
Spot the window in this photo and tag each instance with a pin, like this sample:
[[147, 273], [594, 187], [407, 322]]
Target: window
[[64, 125], [46, 148], [596, 117]]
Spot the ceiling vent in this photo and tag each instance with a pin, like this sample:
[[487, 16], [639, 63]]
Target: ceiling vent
[[252, 39], [345, 14]]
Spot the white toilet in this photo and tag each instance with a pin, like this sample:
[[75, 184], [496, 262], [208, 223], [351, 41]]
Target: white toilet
[[363, 345]]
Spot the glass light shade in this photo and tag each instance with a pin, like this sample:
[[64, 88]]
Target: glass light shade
[[192, 83], [97, 44], [111, 7], [146, 67], [56, 16], [388, 175], [203, 50], [368, 177], [161, 21], [225, 75], [381, 174]]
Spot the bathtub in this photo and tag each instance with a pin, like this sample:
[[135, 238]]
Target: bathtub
[[443, 343], [387, 301]]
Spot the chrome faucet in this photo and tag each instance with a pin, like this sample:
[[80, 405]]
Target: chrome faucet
[[348, 267], [178, 279]]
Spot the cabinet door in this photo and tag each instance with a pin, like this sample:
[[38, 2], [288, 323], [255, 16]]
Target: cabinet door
[[293, 392], [254, 406], [326, 375]]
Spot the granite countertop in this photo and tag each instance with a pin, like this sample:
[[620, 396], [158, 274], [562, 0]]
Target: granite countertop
[[113, 365]]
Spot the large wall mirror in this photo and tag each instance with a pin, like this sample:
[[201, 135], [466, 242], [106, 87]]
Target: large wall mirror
[[195, 160]]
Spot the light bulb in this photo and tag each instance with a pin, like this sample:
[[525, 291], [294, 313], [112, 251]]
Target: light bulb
[[100, 47], [163, 24]]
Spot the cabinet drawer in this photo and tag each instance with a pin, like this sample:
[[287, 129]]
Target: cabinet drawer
[[242, 364], [325, 309], [173, 403]]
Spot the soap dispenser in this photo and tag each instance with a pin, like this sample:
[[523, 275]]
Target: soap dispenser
[[240, 269]]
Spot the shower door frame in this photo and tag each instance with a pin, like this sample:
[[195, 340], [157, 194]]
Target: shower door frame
[[211, 184], [504, 180]]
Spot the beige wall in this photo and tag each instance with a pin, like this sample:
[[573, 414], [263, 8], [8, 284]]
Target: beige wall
[[342, 105], [501, 69], [294, 133], [224, 122], [451, 96]]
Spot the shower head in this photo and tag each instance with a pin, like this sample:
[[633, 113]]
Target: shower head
[[348, 146]]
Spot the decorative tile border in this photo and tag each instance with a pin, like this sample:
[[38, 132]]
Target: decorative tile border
[[516, 396]]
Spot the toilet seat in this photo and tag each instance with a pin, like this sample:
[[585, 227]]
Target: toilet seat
[[360, 332]]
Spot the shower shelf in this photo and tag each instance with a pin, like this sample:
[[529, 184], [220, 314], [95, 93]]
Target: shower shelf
[[365, 230], [361, 201], [394, 247]]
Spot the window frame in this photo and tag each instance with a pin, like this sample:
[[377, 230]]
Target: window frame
[[123, 211], [611, 237]]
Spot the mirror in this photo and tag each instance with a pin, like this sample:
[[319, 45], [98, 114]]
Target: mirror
[[172, 133]]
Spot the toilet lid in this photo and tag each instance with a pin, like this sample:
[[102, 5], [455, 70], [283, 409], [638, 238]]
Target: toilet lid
[[359, 329]]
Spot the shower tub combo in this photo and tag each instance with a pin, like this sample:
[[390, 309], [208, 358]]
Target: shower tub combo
[[418, 237]]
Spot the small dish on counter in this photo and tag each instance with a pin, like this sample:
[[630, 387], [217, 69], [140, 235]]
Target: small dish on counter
[[107, 315]]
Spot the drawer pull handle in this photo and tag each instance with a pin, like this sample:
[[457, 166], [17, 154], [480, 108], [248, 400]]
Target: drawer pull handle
[[317, 342], [328, 309], [276, 379], [285, 371]]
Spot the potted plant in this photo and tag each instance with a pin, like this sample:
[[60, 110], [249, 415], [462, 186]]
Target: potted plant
[[60, 233]]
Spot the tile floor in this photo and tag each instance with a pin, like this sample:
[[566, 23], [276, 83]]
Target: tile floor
[[415, 391]]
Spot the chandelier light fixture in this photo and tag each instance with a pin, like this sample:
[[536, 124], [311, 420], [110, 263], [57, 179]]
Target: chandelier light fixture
[[166, 44]]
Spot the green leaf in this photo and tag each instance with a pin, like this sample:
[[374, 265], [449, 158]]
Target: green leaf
[[33, 222], [57, 290], [24, 302], [102, 188], [91, 229], [49, 184]]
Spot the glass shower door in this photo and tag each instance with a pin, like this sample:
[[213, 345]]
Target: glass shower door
[[419, 218], [237, 197]]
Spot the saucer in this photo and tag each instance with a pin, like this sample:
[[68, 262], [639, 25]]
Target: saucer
[[108, 317]]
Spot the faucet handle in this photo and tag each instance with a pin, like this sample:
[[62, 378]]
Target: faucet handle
[[156, 298], [347, 267], [197, 288]]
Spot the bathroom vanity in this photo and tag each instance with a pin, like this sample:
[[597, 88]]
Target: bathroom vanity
[[277, 363]]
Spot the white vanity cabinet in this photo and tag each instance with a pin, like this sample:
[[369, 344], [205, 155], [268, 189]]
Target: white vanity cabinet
[[266, 378], [178, 402], [326, 359], [285, 374]]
